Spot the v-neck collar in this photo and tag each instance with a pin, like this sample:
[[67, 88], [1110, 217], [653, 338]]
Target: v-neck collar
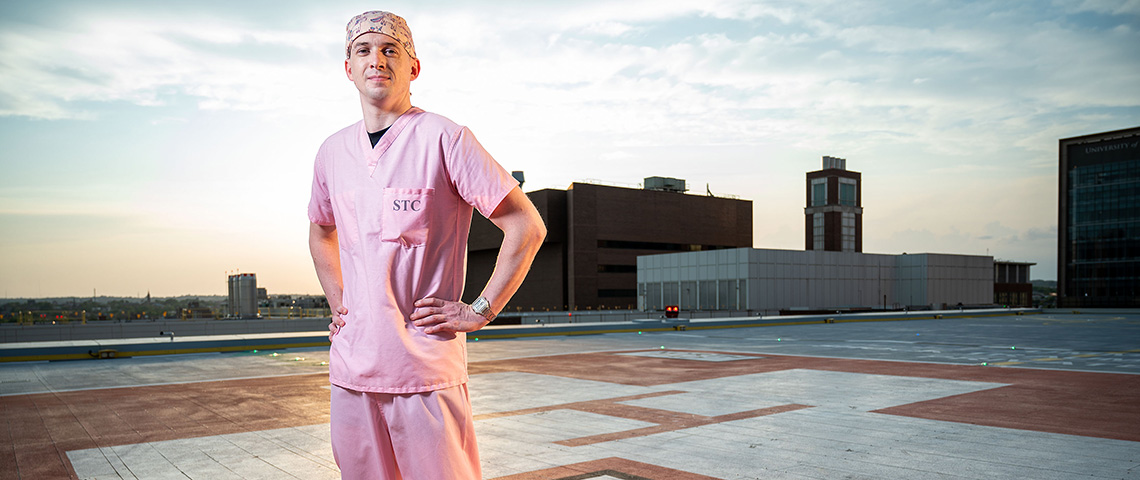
[[373, 154]]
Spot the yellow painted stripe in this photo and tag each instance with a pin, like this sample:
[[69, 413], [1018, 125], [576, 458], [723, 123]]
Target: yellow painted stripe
[[489, 336], [43, 358], [853, 320], [477, 335], [1006, 363], [234, 348]]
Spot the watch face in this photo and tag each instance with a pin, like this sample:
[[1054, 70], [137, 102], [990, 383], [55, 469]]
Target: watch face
[[482, 307]]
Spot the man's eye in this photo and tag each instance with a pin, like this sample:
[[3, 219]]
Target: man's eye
[[389, 51], [362, 51]]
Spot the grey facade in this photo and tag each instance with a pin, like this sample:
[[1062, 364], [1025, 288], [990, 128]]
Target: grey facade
[[242, 295], [768, 281], [1098, 221]]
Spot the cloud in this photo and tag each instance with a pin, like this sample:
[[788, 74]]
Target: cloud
[[1112, 7], [951, 111], [617, 155], [979, 85], [609, 29], [747, 82], [149, 61]]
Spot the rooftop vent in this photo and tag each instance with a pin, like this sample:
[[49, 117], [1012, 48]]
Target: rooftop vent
[[665, 184], [834, 162]]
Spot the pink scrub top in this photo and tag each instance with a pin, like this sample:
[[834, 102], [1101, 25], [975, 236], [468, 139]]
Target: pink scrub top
[[402, 212]]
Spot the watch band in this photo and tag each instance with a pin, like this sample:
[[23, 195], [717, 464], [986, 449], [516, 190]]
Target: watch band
[[483, 308]]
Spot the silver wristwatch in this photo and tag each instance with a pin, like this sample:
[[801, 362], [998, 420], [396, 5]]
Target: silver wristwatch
[[483, 307]]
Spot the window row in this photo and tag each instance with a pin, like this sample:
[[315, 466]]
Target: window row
[[1104, 173], [694, 295]]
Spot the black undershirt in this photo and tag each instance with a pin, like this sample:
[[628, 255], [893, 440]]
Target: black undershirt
[[375, 137]]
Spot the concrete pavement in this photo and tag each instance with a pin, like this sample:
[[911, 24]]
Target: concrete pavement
[[1037, 396]]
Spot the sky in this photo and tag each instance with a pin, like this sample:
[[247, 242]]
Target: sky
[[157, 146]]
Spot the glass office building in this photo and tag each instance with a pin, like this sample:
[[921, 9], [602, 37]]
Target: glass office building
[[1099, 220]]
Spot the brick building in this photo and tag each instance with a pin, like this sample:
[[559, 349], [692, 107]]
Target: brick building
[[595, 234], [834, 212], [1012, 287]]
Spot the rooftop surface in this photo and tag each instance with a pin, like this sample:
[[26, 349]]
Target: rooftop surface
[[1040, 396]]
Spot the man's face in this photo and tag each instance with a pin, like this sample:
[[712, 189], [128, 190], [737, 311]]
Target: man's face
[[380, 67]]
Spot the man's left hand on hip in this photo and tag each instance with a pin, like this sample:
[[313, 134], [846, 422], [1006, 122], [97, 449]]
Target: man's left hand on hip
[[439, 316]]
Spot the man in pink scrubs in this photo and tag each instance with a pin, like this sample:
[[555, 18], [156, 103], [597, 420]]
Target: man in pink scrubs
[[390, 212]]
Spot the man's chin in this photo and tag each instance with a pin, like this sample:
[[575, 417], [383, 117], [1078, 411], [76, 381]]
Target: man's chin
[[375, 94]]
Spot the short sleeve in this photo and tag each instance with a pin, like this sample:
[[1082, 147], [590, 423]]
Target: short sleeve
[[320, 204], [477, 177]]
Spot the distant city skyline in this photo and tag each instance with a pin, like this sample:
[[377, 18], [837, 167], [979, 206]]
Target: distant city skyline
[[157, 146]]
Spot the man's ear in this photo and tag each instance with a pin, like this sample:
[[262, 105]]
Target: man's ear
[[347, 70], [415, 69]]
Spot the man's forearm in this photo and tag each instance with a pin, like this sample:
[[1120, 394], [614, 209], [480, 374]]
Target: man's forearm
[[511, 267], [523, 233], [326, 260]]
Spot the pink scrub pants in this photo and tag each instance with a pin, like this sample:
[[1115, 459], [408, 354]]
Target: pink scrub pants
[[421, 436]]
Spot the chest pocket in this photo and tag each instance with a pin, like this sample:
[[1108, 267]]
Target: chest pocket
[[407, 215]]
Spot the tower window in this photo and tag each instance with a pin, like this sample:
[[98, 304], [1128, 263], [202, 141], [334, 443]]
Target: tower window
[[847, 192], [848, 232], [817, 231], [819, 192]]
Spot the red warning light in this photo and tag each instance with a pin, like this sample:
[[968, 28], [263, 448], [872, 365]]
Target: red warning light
[[672, 311]]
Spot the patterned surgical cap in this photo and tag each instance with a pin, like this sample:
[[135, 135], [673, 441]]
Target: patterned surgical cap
[[387, 23]]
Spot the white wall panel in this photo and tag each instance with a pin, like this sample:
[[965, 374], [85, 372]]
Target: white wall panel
[[820, 280]]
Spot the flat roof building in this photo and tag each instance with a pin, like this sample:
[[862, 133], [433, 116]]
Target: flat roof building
[[1012, 287], [595, 234], [768, 281], [1098, 220]]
